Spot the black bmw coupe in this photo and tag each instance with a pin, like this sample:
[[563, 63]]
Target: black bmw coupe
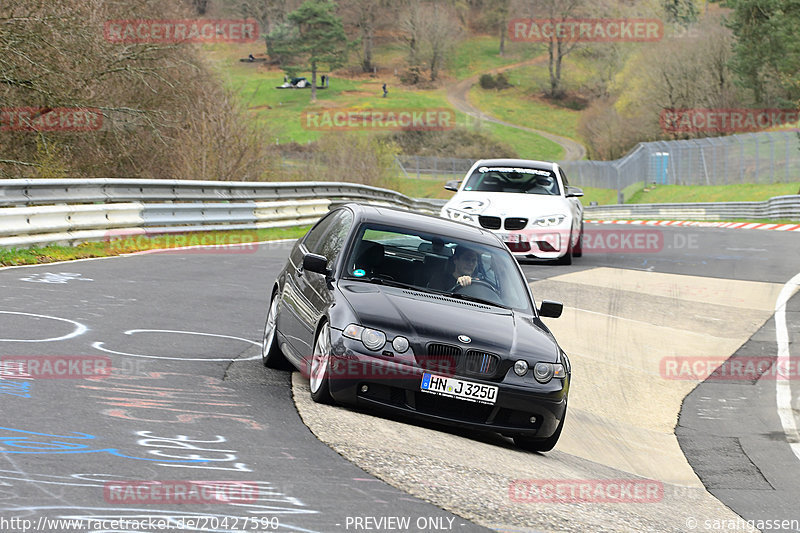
[[422, 316]]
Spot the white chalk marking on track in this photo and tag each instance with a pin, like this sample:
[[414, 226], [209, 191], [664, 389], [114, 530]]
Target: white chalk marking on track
[[99, 346], [782, 382], [80, 329]]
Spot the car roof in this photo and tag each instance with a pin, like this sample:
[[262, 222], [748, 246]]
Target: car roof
[[401, 218], [521, 163]]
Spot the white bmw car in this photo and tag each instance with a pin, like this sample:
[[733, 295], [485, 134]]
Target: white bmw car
[[528, 204]]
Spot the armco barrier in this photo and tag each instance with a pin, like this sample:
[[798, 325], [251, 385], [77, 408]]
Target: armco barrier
[[777, 208], [44, 211]]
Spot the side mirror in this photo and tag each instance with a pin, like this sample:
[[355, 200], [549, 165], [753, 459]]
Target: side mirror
[[452, 185], [316, 263], [550, 309], [574, 192]]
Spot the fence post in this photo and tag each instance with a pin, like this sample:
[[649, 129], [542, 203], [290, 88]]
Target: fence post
[[787, 136], [741, 159], [757, 176], [771, 157], [417, 158]]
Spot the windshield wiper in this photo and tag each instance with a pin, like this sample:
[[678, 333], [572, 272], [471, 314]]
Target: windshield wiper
[[391, 283], [467, 297]]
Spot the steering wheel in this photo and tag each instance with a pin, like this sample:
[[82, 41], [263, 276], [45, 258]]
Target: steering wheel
[[477, 283]]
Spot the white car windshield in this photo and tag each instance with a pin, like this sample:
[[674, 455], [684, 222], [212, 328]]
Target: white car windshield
[[513, 180], [403, 257]]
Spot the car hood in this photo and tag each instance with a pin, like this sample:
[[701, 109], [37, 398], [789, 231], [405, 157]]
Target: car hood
[[428, 317], [508, 204]]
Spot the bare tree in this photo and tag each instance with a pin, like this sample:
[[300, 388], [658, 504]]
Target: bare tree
[[268, 13], [559, 44], [148, 95], [366, 16], [432, 30]]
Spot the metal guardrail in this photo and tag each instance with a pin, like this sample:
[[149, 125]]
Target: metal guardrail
[[44, 211], [777, 208]]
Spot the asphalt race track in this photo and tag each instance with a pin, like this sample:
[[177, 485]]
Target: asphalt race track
[[187, 400]]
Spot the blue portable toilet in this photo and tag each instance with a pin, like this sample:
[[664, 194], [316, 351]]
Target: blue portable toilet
[[659, 163]]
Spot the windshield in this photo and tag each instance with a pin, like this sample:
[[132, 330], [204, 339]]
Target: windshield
[[432, 263], [512, 179]]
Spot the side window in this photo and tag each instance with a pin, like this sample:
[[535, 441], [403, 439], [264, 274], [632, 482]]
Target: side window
[[313, 240], [333, 240]]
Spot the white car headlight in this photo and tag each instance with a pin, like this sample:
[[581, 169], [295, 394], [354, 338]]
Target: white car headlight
[[549, 220], [371, 338]]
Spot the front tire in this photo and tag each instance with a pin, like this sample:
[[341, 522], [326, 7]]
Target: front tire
[[578, 250], [319, 374], [566, 259], [271, 354]]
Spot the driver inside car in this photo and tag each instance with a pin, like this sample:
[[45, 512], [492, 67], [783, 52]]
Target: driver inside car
[[460, 271]]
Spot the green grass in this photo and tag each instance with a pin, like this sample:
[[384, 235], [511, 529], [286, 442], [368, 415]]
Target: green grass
[[601, 196], [480, 54], [528, 145], [136, 243], [515, 105], [745, 192], [280, 111]]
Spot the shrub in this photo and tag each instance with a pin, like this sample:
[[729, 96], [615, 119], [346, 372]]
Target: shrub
[[487, 81]]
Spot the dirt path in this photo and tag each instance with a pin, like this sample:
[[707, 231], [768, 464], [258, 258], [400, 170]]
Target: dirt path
[[457, 95]]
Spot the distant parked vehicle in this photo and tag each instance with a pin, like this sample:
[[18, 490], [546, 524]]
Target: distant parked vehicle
[[528, 204]]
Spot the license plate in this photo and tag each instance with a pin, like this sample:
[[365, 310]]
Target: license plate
[[511, 238], [458, 388]]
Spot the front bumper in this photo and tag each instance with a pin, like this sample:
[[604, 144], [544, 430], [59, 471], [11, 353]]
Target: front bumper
[[544, 243], [520, 410]]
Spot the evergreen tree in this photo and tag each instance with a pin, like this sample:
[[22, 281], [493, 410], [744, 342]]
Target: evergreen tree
[[767, 52], [314, 36]]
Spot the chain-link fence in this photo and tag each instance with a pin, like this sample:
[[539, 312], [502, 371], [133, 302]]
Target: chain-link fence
[[768, 157], [415, 166]]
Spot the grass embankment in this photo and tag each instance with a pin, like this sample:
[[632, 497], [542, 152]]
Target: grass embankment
[[135, 243], [479, 55], [280, 111], [743, 192]]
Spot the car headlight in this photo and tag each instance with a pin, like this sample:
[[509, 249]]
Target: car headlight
[[521, 367], [544, 372], [549, 220], [400, 344], [373, 339]]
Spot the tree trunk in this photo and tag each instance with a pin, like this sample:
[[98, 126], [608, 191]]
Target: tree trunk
[[551, 66], [503, 24], [559, 56], [366, 65], [313, 81]]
